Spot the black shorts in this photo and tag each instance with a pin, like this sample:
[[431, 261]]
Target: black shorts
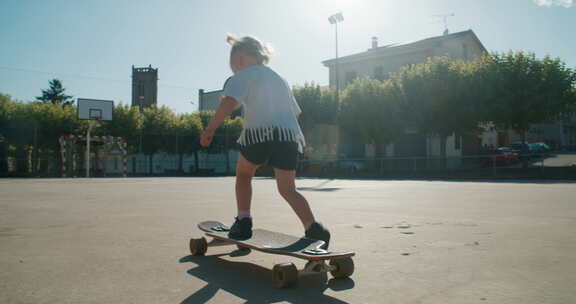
[[277, 154]]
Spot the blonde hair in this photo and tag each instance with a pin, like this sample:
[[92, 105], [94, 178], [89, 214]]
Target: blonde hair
[[251, 46]]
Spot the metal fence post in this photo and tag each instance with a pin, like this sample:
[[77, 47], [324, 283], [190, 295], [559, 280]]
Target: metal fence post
[[493, 158]]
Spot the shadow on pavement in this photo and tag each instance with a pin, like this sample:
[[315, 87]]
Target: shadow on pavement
[[495, 181], [253, 283], [318, 189], [469, 180]]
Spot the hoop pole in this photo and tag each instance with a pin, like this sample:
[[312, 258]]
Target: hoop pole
[[88, 148]]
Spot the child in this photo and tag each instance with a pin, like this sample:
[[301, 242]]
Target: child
[[271, 133]]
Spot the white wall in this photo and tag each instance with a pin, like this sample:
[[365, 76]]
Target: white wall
[[453, 154], [451, 149], [434, 146], [489, 138]]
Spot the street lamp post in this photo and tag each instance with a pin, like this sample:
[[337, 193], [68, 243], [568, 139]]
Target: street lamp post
[[335, 19]]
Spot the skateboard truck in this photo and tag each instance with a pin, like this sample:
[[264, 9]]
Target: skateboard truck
[[315, 267], [220, 228], [317, 251]]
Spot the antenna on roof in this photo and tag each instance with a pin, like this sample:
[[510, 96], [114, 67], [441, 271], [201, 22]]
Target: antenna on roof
[[445, 21]]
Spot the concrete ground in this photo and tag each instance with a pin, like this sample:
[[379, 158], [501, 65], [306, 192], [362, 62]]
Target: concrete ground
[[561, 160], [126, 241]]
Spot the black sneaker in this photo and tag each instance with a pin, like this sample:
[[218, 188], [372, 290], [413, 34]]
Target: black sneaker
[[317, 232], [242, 229]]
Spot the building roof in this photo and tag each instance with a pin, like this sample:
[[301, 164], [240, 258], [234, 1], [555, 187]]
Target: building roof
[[406, 47]]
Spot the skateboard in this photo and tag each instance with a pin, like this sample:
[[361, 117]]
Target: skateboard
[[339, 264]]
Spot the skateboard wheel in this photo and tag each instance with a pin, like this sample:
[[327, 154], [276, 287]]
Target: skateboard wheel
[[198, 246], [344, 267], [285, 275]]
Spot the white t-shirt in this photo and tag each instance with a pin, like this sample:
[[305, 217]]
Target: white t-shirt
[[268, 105]]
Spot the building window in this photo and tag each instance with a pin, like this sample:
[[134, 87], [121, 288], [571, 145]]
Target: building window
[[465, 51], [379, 73], [350, 76]]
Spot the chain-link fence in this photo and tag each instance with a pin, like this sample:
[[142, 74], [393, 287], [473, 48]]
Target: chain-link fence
[[554, 165], [26, 167], [160, 164], [24, 154]]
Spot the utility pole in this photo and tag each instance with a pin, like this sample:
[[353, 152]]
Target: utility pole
[[335, 19]]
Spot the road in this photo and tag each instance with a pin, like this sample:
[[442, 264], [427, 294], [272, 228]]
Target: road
[[560, 160], [125, 241]]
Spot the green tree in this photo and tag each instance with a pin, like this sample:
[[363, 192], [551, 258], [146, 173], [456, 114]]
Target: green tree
[[159, 124], [369, 112], [19, 137], [128, 122], [525, 90], [435, 98], [7, 109], [319, 107], [187, 137], [48, 123], [33, 133], [55, 94]]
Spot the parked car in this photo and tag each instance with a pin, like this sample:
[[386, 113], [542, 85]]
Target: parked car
[[503, 156], [524, 150], [540, 148], [520, 148]]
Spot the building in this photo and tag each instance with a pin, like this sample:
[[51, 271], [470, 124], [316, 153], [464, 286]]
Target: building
[[379, 61], [209, 101], [560, 134], [144, 86]]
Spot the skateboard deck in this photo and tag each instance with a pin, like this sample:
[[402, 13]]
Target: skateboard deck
[[339, 264], [274, 242]]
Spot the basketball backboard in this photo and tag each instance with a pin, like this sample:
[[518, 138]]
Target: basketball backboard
[[94, 109]]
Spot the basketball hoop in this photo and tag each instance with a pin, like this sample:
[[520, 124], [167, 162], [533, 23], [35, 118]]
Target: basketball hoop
[[95, 120], [95, 114], [94, 111]]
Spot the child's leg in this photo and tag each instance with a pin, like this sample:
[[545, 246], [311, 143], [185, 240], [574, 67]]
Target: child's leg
[[287, 188], [245, 171]]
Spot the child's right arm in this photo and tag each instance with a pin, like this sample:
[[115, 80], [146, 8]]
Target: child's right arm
[[227, 106]]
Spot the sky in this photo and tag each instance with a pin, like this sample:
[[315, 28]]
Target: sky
[[91, 45]]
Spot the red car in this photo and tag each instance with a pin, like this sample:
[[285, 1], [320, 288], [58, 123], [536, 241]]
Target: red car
[[502, 156]]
